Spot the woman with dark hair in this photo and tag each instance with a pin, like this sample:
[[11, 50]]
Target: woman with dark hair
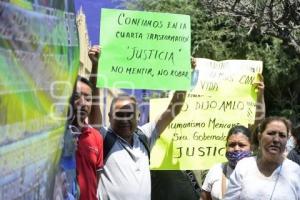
[[268, 175], [294, 154], [238, 144]]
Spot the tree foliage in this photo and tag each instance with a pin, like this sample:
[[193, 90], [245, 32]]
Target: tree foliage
[[278, 18], [255, 29]]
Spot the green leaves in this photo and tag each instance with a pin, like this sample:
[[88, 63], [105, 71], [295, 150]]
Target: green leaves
[[221, 34]]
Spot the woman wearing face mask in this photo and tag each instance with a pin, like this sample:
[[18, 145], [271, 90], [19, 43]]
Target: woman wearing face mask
[[269, 175], [237, 147]]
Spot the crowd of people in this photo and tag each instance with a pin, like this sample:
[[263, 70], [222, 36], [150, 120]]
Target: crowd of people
[[112, 163]]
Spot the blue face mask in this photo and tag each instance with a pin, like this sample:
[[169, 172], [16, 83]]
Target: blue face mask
[[234, 156]]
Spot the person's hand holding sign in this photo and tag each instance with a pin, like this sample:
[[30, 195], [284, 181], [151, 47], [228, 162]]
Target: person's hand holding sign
[[259, 86], [94, 54], [193, 63]]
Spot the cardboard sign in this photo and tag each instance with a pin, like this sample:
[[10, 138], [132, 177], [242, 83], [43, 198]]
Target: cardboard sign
[[144, 50], [223, 97]]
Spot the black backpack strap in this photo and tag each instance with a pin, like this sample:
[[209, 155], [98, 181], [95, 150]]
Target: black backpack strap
[[111, 138], [192, 178], [109, 141], [144, 140]]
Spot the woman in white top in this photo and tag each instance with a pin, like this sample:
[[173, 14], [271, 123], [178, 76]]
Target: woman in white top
[[237, 147], [269, 176]]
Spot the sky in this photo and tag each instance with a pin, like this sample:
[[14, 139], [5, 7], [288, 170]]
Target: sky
[[92, 9]]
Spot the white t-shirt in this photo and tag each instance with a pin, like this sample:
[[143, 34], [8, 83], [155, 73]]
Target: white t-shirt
[[248, 183], [126, 172], [213, 181]]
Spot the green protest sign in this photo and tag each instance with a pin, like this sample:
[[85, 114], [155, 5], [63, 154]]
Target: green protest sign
[[144, 50]]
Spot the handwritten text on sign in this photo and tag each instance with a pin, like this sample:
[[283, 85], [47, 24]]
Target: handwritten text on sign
[[144, 50], [196, 138]]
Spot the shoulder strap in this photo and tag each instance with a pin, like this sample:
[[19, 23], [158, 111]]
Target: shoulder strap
[[110, 139], [192, 178], [144, 140], [224, 174], [108, 143]]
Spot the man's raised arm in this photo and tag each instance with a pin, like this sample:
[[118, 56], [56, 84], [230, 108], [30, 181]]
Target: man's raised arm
[[171, 112], [95, 117], [174, 107]]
